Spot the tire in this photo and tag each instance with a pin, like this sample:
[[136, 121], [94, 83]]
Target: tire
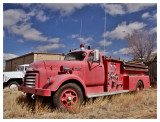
[[139, 87], [67, 96], [13, 85]]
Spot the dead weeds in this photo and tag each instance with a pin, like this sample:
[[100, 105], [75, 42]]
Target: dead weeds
[[126, 106]]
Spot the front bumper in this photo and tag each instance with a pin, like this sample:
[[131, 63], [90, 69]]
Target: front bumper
[[36, 91]]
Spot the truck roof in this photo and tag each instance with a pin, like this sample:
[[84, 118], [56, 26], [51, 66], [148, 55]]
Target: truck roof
[[24, 65]]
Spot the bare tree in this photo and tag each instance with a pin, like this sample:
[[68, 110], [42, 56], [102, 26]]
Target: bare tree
[[141, 44]]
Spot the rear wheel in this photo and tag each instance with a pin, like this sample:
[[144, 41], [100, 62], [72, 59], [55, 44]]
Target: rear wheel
[[67, 96], [139, 87]]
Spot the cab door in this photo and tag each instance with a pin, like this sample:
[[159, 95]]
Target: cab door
[[94, 71]]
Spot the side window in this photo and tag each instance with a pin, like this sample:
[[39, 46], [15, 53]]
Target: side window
[[91, 58]]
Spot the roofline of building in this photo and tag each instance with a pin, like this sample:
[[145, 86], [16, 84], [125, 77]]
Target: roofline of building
[[36, 53]]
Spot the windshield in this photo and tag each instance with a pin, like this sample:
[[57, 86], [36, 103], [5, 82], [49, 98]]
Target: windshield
[[75, 56], [20, 68]]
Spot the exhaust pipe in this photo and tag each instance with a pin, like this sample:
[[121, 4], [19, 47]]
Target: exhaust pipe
[[33, 96]]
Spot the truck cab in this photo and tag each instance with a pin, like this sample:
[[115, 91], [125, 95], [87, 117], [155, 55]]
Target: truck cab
[[13, 79], [83, 73]]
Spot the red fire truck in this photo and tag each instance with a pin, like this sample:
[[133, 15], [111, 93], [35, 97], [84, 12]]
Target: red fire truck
[[83, 73]]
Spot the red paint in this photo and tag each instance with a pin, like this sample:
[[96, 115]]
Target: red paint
[[95, 89], [37, 91], [105, 75]]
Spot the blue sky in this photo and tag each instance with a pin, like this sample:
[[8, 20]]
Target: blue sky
[[56, 28]]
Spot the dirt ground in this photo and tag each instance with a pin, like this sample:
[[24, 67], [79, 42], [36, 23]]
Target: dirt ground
[[123, 106]]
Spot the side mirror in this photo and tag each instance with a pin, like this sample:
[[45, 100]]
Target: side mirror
[[96, 55]]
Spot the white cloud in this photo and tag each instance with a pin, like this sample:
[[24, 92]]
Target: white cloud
[[27, 32], [115, 52], [145, 15], [122, 30], [148, 16], [26, 5], [155, 16], [106, 43], [49, 47], [7, 56], [85, 41], [74, 36], [55, 40], [120, 9], [153, 30], [104, 53], [114, 9], [123, 51], [64, 8], [20, 40], [135, 7], [41, 16], [13, 16], [16, 22]]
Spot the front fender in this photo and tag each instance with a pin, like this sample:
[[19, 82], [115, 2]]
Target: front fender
[[12, 75], [57, 81]]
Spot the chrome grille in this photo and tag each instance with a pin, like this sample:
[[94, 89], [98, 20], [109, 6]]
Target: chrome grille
[[30, 81]]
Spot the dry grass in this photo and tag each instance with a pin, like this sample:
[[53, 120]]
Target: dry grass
[[127, 106]]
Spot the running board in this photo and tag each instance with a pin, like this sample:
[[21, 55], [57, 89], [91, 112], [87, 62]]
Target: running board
[[90, 95]]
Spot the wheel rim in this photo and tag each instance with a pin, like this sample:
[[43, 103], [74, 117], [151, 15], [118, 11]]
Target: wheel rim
[[13, 86], [68, 98], [139, 88]]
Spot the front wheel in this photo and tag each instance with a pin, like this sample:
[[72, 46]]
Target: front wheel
[[67, 96], [13, 85]]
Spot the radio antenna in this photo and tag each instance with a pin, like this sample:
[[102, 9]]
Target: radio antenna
[[80, 31], [104, 29]]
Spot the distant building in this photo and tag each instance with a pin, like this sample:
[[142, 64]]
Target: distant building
[[12, 64]]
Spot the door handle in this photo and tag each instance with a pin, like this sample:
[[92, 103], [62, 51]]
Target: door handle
[[100, 65]]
